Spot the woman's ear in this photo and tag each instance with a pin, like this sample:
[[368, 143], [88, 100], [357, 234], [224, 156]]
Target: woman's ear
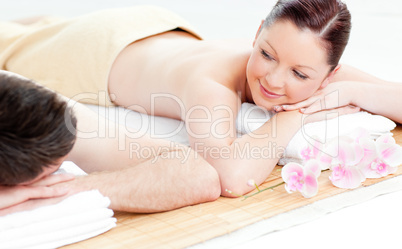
[[330, 77], [258, 32]]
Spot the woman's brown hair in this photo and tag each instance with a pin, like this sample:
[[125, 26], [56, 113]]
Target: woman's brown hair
[[330, 19]]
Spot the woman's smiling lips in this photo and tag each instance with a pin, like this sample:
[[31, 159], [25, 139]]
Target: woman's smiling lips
[[269, 94]]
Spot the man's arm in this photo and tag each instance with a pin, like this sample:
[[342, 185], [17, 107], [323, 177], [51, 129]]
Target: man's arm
[[169, 177], [160, 184]]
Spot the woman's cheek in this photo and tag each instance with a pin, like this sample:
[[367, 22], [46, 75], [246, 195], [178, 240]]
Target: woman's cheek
[[257, 66], [296, 93]]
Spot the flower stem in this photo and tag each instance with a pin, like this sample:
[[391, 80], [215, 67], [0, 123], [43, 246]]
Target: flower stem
[[230, 192], [256, 186], [262, 190]]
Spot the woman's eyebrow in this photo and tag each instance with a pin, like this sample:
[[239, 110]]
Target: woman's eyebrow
[[306, 67], [267, 42]]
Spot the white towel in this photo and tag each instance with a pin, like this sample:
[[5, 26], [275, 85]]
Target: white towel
[[251, 117], [76, 218]]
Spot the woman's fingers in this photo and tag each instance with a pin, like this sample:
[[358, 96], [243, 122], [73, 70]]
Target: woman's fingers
[[326, 99], [314, 100], [316, 106], [350, 109], [330, 114]]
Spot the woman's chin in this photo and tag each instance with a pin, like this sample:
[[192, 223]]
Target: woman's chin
[[265, 106]]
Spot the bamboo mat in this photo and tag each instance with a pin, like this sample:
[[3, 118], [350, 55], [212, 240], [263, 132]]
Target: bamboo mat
[[195, 224]]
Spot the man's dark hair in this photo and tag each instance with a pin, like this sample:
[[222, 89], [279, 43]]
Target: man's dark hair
[[33, 131]]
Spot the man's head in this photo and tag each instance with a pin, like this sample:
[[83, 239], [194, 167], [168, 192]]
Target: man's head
[[34, 134]]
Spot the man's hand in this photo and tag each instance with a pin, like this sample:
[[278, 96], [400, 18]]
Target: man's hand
[[17, 198]]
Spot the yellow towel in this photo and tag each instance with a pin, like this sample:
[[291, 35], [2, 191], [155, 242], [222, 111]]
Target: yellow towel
[[74, 56]]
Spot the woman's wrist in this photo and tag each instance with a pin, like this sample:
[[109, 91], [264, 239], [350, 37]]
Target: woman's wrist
[[354, 92], [291, 118]]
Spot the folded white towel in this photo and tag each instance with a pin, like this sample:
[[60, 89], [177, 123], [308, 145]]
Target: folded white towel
[[76, 218], [251, 117]]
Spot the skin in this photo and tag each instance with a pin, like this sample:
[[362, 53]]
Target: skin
[[292, 70], [359, 89], [137, 183], [12, 196], [209, 80]]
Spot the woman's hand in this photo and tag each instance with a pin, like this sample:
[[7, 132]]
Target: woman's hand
[[335, 95], [309, 117], [12, 198]]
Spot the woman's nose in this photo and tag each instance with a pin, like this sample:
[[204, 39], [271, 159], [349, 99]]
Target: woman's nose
[[276, 79]]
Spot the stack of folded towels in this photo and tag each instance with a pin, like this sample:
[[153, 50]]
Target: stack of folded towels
[[78, 217]]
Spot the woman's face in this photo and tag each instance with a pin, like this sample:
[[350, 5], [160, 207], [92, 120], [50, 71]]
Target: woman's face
[[287, 65]]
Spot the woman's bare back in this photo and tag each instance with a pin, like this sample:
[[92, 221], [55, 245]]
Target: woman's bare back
[[156, 74]]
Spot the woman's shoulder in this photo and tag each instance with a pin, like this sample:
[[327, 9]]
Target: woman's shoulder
[[227, 64]]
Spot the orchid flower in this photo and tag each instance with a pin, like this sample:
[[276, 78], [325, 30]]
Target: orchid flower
[[351, 158], [359, 134], [310, 152], [302, 178], [315, 151], [345, 173], [381, 157]]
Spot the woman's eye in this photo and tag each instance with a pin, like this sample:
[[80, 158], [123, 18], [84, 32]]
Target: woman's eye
[[300, 75], [266, 55]]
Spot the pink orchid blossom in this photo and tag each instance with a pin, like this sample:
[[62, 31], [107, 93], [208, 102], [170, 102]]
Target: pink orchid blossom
[[302, 178], [310, 152], [359, 134], [315, 151], [381, 157], [345, 173]]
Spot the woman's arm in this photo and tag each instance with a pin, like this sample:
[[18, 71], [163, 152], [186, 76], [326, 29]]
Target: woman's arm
[[212, 133], [371, 93], [349, 73], [351, 86]]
